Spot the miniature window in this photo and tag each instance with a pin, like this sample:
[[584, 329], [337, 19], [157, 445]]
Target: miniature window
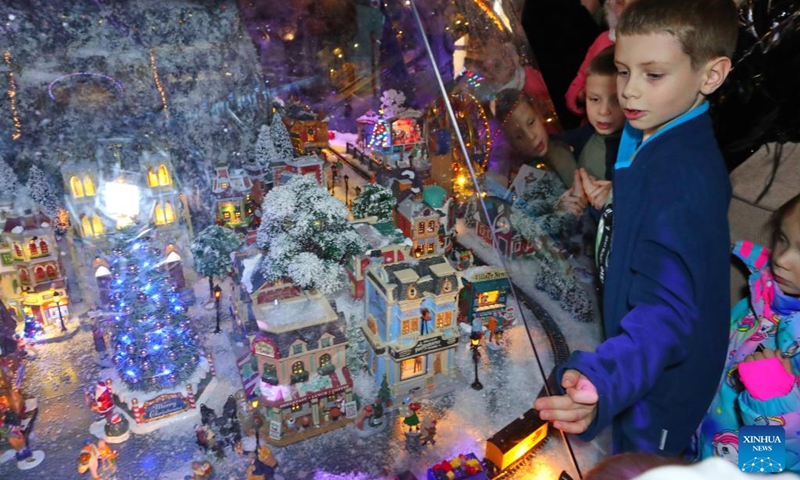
[[6, 258], [17, 250], [297, 349], [97, 225], [411, 291], [419, 251], [421, 228], [409, 326], [86, 226], [223, 185], [431, 247], [76, 186], [296, 407], [51, 272], [163, 175], [373, 325], [159, 214], [431, 226], [325, 342], [169, 212], [324, 360], [413, 367], [88, 186], [270, 374], [444, 319], [33, 248], [152, 178], [40, 274], [24, 276], [298, 368], [44, 247], [447, 286]]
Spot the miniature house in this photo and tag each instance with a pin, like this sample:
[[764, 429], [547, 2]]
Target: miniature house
[[510, 242], [234, 197], [35, 273], [282, 172], [421, 223], [299, 355], [387, 246], [410, 325], [485, 294]]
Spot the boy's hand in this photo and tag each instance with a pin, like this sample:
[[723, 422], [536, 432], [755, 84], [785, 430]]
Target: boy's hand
[[575, 411], [761, 355], [573, 200], [596, 191]]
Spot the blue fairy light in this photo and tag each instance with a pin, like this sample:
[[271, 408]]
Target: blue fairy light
[[130, 373]]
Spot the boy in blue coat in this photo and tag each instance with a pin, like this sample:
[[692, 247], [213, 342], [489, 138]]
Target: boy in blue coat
[[666, 299]]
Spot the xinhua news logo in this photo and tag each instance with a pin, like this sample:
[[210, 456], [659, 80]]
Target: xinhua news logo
[[762, 448]]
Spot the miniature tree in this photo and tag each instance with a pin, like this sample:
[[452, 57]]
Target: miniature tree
[[281, 141], [265, 149], [155, 342], [8, 179], [305, 235], [392, 103], [384, 394], [375, 200], [354, 357], [212, 249], [42, 192]]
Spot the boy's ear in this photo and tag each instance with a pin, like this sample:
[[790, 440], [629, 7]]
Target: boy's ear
[[716, 71]]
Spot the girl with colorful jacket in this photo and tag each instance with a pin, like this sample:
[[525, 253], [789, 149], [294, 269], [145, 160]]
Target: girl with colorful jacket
[[760, 382]]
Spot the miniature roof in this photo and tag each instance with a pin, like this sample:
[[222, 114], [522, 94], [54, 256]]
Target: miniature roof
[[406, 276], [434, 195], [424, 269], [412, 208], [305, 161], [28, 222], [379, 235], [293, 314], [495, 207], [526, 175]]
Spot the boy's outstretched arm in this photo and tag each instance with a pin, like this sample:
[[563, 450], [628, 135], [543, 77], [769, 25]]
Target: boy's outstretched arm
[[575, 411]]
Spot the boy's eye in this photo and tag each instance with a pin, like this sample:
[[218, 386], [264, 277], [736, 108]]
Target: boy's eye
[[622, 73], [593, 99], [655, 76]]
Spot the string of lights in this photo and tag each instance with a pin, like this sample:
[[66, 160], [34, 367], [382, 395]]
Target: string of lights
[[12, 96], [158, 81]]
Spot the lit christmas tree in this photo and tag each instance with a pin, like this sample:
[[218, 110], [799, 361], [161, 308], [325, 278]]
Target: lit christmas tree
[[155, 344]]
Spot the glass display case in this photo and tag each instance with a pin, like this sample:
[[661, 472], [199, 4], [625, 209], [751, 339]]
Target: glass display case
[[429, 121]]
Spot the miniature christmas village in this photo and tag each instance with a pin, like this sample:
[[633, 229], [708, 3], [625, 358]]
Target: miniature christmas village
[[243, 286]]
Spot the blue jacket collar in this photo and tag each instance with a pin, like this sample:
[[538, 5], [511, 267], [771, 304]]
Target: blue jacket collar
[[631, 141]]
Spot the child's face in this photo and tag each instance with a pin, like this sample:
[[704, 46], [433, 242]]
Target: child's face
[[786, 255], [655, 82], [602, 106], [526, 131]]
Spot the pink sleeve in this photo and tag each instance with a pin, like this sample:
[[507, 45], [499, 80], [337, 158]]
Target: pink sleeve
[[600, 43], [766, 378]]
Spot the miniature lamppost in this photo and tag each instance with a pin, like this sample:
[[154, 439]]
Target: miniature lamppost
[[217, 295], [257, 423], [346, 189], [57, 296], [475, 343]]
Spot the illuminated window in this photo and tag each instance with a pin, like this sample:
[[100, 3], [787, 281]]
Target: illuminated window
[[152, 178], [372, 325], [76, 186], [412, 367], [88, 186], [24, 276], [297, 349], [295, 407], [33, 248], [421, 228], [17, 250], [488, 298], [431, 226], [160, 219], [40, 274], [431, 247], [298, 368], [86, 226], [226, 215], [324, 360], [444, 319], [51, 272], [44, 247], [97, 225], [409, 326], [169, 213], [163, 175], [223, 185]]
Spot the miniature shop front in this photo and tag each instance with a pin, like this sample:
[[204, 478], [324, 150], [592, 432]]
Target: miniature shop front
[[394, 258]]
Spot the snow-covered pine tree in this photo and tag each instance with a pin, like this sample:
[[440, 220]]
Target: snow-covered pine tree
[[265, 149], [42, 192], [9, 180], [354, 355], [155, 344], [375, 200], [305, 235], [282, 143], [212, 249]]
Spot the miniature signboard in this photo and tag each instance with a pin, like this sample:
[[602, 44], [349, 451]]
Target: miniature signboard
[[350, 410], [275, 430], [163, 406]]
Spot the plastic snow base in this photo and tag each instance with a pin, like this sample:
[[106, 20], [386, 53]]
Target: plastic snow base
[[98, 430], [31, 462]]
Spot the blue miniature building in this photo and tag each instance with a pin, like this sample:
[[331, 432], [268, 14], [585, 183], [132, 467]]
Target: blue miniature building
[[411, 324], [484, 296]]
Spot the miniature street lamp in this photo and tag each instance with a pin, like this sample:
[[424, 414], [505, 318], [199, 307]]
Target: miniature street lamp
[[57, 296], [346, 189], [217, 295], [257, 423], [475, 344]]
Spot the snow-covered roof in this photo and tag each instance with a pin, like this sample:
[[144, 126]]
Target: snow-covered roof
[[250, 265], [526, 175], [305, 161], [411, 208], [292, 314], [379, 235], [17, 225]]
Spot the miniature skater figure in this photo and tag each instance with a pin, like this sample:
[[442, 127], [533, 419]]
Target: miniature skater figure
[[108, 457], [202, 470], [366, 413], [89, 460], [205, 437], [26, 458], [412, 420], [430, 433]]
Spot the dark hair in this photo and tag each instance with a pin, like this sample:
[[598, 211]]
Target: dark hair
[[626, 466], [507, 100], [787, 209], [603, 63], [707, 29]]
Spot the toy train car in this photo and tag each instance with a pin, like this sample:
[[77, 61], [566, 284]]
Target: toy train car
[[512, 444]]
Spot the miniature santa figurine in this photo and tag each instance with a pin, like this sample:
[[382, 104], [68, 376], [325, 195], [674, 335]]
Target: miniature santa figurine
[[103, 402]]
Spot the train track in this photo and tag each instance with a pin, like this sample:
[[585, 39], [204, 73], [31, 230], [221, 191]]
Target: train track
[[354, 165]]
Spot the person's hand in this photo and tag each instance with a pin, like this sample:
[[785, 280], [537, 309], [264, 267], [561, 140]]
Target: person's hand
[[575, 411], [596, 191], [573, 200], [785, 361]]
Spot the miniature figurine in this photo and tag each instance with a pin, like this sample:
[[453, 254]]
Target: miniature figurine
[[205, 437], [366, 412], [93, 456], [425, 322], [103, 402], [108, 457], [430, 433], [412, 420], [202, 470]]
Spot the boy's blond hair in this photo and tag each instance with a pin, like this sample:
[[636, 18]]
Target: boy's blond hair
[[707, 29]]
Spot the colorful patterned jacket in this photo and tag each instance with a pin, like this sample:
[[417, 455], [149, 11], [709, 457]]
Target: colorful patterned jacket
[[771, 319]]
